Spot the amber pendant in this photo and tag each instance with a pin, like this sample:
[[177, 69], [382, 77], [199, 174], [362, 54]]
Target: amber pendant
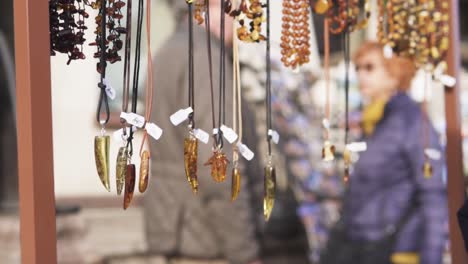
[[191, 159], [121, 170], [322, 6], [269, 191], [427, 168], [144, 171], [328, 151], [129, 185], [218, 163], [101, 155], [236, 183]]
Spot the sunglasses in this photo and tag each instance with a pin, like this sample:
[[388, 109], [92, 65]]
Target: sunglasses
[[368, 67]]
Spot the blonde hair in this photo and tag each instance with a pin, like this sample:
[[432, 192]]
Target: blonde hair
[[400, 68]]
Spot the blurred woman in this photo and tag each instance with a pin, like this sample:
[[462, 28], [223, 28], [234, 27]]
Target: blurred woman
[[392, 212]]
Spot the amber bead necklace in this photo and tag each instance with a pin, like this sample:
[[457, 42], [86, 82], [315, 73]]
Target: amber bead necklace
[[67, 28], [252, 12], [295, 34]]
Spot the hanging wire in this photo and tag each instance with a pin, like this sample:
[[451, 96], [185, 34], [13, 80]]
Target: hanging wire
[[191, 87], [222, 77], [136, 71], [268, 79], [210, 65]]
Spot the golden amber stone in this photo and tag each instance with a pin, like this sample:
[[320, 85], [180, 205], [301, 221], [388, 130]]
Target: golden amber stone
[[236, 181], [328, 151], [269, 191], [101, 155], [190, 160], [218, 163], [129, 185], [144, 171], [121, 169], [322, 6], [427, 170]]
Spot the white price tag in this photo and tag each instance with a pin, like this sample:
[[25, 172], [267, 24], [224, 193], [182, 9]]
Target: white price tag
[[245, 151], [180, 116], [215, 131], [274, 136], [357, 146], [153, 130], [326, 123], [133, 119], [433, 154], [447, 80], [118, 135], [229, 134], [388, 51], [201, 135], [110, 91]]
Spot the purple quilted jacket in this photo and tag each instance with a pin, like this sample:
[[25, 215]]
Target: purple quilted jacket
[[389, 174]]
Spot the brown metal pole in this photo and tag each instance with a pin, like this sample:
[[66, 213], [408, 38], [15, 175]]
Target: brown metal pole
[[34, 118], [456, 183]]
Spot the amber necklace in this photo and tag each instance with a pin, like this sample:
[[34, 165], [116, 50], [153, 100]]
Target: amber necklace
[[295, 35], [218, 160], [102, 142]]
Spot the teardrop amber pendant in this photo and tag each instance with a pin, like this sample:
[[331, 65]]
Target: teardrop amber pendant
[[190, 160], [236, 183], [218, 163], [427, 170], [121, 170], [144, 171], [328, 151], [269, 191], [101, 155], [129, 185]]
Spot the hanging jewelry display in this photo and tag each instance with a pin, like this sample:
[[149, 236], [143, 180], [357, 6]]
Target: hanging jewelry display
[[270, 170], [67, 26], [219, 161], [295, 35], [248, 15]]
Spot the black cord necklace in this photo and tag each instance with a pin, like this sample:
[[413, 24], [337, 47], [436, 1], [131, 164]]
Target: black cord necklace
[[191, 86], [222, 78], [210, 66], [268, 81], [136, 72]]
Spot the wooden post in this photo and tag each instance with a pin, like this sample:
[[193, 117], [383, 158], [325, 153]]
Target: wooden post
[[34, 125], [456, 183]]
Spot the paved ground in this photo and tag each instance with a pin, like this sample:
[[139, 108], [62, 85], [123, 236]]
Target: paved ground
[[95, 236]]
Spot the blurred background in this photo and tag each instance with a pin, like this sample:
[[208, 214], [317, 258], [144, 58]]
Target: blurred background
[[90, 220]]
